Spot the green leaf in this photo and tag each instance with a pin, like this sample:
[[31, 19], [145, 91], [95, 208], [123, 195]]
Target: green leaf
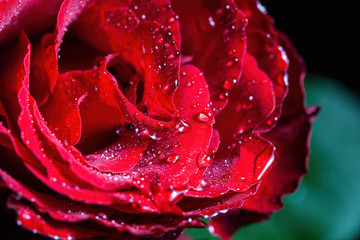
[[327, 203]]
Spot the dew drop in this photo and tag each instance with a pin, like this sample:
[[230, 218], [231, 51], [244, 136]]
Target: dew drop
[[159, 40], [248, 103], [232, 62], [223, 95], [204, 117], [102, 215], [206, 21], [240, 178], [174, 55], [272, 121], [205, 159], [190, 83], [263, 162], [171, 20], [173, 159], [182, 126], [229, 83], [195, 105]]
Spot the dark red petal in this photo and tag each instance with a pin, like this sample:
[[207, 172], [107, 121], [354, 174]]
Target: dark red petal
[[221, 58], [40, 223], [272, 59], [263, 45], [9, 141], [43, 70], [44, 60], [211, 207], [100, 112], [291, 137], [61, 111], [225, 225], [65, 210], [14, 58], [258, 17], [295, 100], [32, 16], [244, 165], [2, 110], [250, 103]]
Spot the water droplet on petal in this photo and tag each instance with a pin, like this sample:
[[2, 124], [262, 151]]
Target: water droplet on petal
[[223, 95], [190, 83], [174, 55], [173, 159], [206, 21], [232, 62], [205, 159], [204, 117], [263, 162], [240, 178], [229, 83], [182, 126]]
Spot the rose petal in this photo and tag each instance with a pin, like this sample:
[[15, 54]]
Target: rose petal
[[295, 100], [61, 111], [150, 47], [225, 225], [33, 16], [106, 109], [161, 12], [249, 104], [43, 70], [221, 58], [292, 141], [272, 59], [121, 156], [35, 221], [17, 55], [211, 207], [192, 101], [44, 61], [2, 111], [244, 165], [61, 209]]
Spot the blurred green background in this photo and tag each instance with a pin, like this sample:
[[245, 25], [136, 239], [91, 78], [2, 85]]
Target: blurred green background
[[326, 205]]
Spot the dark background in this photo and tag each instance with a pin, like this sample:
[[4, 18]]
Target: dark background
[[325, 34]]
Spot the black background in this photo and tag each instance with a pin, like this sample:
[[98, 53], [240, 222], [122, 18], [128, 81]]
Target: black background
[[325, 34]]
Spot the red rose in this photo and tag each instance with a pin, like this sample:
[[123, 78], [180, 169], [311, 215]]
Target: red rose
[[133, 119]]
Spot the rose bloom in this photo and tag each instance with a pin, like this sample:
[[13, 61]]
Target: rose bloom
[[129, 119]]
